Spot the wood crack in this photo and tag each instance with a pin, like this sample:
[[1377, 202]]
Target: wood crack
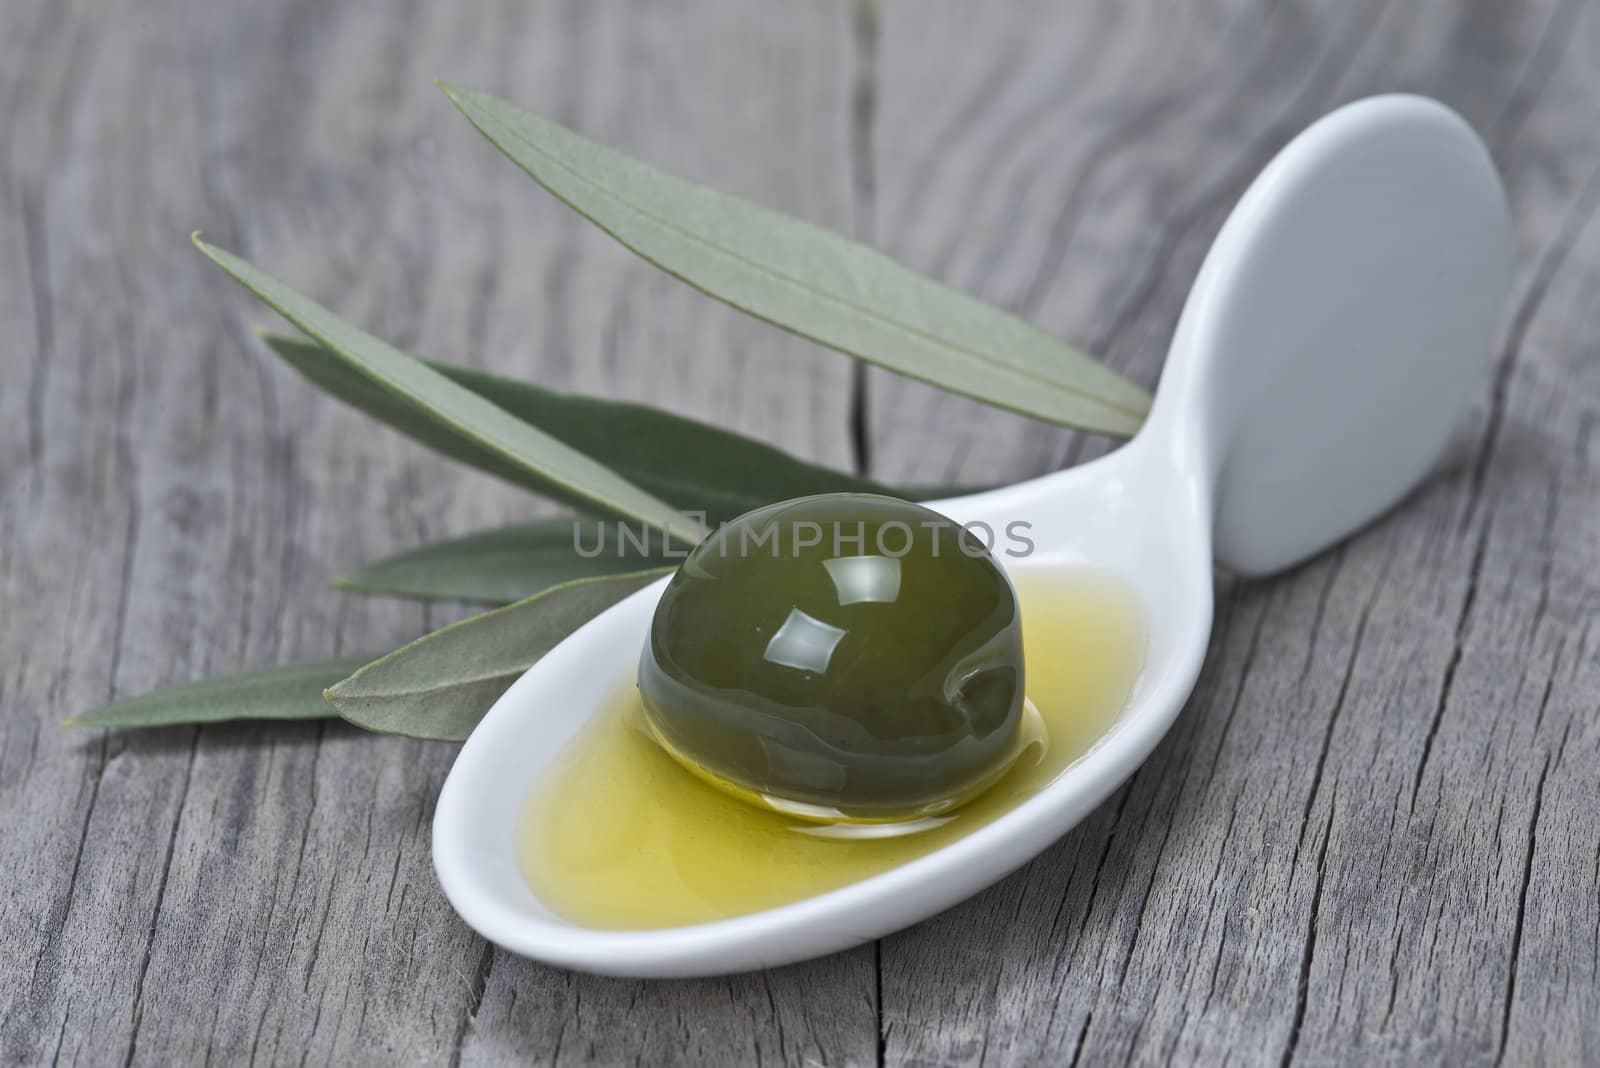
[[1338, 708], [1522, 912], [161, 898], [1124, 792], [479, 986], [863, 115], [1303, 987]]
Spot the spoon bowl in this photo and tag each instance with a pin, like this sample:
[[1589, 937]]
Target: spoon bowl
[[1333, 336]]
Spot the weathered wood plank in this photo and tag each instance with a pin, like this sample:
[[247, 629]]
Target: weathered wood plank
[[1370, 836], [173, 498]]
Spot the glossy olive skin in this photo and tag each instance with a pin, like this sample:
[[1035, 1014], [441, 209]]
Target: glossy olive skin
[[877, 679]]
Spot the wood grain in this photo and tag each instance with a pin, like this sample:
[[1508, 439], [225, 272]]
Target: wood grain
[[1371, 836], [174, 498]]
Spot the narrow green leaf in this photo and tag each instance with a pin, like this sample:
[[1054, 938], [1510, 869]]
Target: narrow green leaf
[[506, 564], [812, 281], [290, 692], [439, 686], [692, 465], [581, 480]]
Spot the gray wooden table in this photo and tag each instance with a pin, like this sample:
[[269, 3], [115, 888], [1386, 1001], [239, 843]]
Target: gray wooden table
[[1374, 834]]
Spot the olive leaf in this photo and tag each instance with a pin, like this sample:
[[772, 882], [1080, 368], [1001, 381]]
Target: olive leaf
[[290, 692], [692, 465], [509, 563], [812, 281], [576, 477], [440, 685]]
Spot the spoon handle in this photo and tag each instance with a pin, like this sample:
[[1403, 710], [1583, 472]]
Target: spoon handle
[[1340, 324]]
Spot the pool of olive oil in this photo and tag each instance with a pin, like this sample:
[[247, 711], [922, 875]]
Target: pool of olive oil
[[618, 835]]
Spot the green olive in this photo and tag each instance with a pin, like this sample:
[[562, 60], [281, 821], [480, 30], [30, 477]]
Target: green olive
[[843, 656]]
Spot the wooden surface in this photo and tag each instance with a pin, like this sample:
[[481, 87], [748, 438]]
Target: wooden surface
[[1372, 836]]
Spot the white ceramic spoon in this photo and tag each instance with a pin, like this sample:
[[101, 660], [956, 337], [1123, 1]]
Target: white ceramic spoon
[[1335, 332]]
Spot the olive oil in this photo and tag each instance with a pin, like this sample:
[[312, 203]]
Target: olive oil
[[619, 835]]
